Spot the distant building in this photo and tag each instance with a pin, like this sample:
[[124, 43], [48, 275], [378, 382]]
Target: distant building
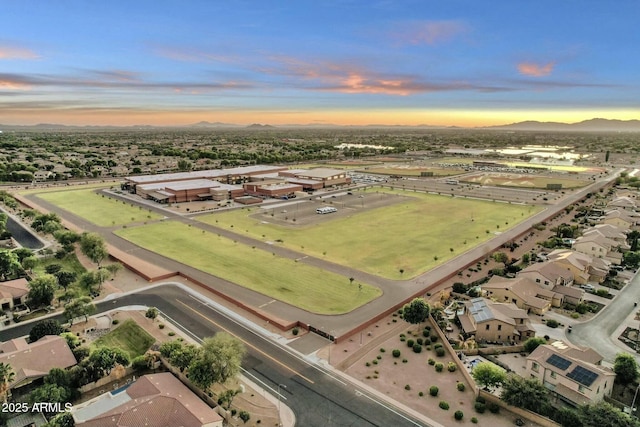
[[155, 400], [13, 293]]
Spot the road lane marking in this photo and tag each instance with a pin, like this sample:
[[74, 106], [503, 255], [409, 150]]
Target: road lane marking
[[247, 343]]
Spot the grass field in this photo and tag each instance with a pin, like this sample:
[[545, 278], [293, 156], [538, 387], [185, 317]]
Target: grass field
[[295, 283], [413, 235], [98, 209], [129, 337]]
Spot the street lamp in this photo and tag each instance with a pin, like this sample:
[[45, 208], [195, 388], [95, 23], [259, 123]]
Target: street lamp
[[279, 417], [633, 403]]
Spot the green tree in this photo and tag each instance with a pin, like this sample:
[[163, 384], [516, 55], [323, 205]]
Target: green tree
[[94, 247], [59, 377], [151, 313], [631, 259], [225, 399], [103, 360], [182, 357], [29, 263], [6, 376], [114, 268], [63, 419], [244, 416], [415, 312], [9, 264], [488, 375], [218, 361], [41, 290], [79, 307], [533, 343], [50, 393], [45, 327], [528, 393], [626, 368], [167, 348], [605, 414], [501, 257], [65, 278]]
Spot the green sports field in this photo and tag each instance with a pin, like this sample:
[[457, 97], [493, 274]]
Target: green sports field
[[295, 283], [415, 234], [98, 209]]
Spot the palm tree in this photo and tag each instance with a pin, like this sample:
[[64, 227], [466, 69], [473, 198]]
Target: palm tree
[[6, 376]]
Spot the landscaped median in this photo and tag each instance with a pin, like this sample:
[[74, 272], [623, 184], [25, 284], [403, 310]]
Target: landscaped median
[[295, 283]]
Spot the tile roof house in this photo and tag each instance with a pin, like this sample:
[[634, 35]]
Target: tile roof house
[[573, 374], [489, 321], [609, 231], [155, 400], [13, 292], [598, 246], [31, 361], [523, 292], [620, 218], [547, 275], [585, 268], [623, 202]]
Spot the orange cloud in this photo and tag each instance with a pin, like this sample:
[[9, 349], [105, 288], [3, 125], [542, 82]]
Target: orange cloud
[[429, 32], [535, 70], [12, 52]]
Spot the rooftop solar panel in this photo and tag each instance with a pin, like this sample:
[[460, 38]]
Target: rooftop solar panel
[[558, 362], [583, 376]]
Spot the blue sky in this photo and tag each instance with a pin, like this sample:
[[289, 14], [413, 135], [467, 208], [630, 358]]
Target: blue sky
[[466, 63]]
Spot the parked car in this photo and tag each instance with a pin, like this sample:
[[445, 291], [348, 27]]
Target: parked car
[[588, 287]]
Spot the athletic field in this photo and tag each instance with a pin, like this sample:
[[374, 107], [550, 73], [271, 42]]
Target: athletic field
[[98, 208], [396, 241], [295, 283]]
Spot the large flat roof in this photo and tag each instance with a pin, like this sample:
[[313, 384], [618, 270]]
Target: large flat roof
[[210, 173]]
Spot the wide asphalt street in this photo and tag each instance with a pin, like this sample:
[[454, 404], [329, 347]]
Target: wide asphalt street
[[316, 396]]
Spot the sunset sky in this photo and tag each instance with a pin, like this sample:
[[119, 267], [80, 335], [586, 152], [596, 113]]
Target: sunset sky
[[455, 62]]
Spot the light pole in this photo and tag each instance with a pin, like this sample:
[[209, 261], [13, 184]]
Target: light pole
[[279, 417]]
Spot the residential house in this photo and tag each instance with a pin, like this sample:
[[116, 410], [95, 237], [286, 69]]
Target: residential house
[[522, 292], [32, 361], [573, 374], [490, 321], [585, 268], [547, 275], [620, 218], [598, 246], [155, 400], [623, 202], [609, 231], [13, 293]]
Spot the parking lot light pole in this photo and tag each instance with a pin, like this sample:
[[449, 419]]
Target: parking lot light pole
[[280, 386]]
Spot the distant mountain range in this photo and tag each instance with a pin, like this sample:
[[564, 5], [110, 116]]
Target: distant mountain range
[[592, 125]]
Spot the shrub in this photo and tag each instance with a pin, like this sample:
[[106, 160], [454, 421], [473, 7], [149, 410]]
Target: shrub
[[439, 367], [443, 405], [420, 394], [115, 321], [552, 323], [404, 360], [480, 399], [379, 357], [395, 353], [426, 333], [431, 362], [161, 326], [433, 338], [451, 367], [171, 334], [295, 331], [419, 341], [417, 348], [440, 351], [460, 386], [382, 350], [437, 345], [480, 407], [367, 364], [458, 415], [493, 407], [433, 390], [410, 343], [474, 420], [407, 387]]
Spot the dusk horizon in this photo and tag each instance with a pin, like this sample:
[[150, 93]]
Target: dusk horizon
[[339, 63]]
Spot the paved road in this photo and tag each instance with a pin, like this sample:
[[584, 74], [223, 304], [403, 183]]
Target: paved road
[[601, 332], [316, 397]]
